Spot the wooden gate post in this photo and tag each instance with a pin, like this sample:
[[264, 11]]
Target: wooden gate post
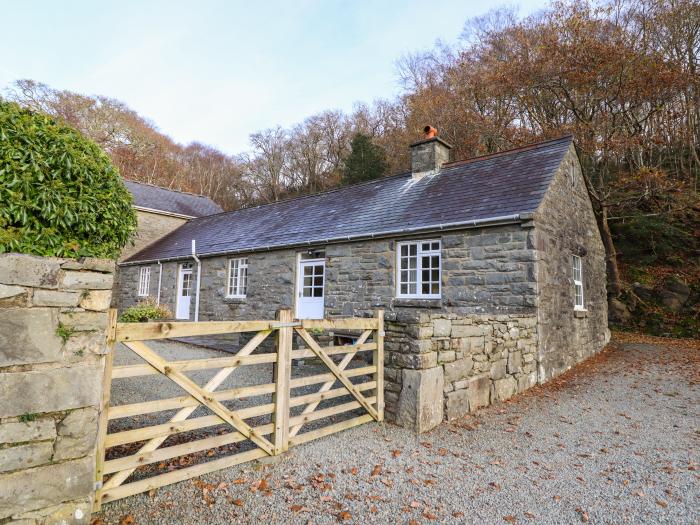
[[283, 370], [104, 409], [379, 363]]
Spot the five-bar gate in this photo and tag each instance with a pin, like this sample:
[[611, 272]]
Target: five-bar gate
[[287, 414]]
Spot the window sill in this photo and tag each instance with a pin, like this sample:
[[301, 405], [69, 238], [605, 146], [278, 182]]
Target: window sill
[[234, 300], [417, 303], [580, 313]]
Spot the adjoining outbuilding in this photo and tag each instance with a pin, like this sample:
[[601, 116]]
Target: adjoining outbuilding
[[491, 271], [161, 210]]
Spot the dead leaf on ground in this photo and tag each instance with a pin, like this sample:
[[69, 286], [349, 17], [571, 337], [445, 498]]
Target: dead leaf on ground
[[127, 520], [510, 518], [344, 516]]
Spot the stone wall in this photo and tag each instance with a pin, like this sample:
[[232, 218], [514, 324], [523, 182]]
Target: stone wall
[[53, 317], [565, 225], [489, 270], [444, 365], [151, 227]]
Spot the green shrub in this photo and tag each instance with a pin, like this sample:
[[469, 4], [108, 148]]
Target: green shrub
[[59, 193], [146, 310]]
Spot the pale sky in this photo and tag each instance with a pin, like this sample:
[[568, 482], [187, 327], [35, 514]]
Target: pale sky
[[217, 71]]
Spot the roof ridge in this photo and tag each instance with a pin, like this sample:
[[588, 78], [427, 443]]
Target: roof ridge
[[525, 147], [532, 145], [168, 189]]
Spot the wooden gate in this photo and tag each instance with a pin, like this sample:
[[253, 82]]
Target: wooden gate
[[288, 414]]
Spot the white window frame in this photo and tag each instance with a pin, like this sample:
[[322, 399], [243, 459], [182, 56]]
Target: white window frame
[[237, 284], [419, 277], [577, 274], [144, 280], [572, 173]]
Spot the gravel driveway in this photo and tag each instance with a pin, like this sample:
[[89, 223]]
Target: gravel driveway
[[614, 441]]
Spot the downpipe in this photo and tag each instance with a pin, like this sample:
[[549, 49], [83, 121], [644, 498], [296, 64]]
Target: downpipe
[[160, 280], [199, 277]]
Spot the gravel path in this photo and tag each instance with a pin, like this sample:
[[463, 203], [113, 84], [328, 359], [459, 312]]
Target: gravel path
[[614, 441]]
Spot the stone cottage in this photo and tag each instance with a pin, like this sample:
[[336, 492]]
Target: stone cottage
[[160, 211], [491, 271]]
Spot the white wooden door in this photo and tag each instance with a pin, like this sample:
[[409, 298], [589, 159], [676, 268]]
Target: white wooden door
[[310, 283], [184, 292]]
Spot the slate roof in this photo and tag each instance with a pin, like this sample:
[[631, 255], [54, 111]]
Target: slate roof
[[171, 201], [500, 186]]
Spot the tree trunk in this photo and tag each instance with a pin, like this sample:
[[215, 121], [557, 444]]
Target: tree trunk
[[614, 281]]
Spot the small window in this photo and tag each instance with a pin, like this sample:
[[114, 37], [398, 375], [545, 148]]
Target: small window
[[572, 173], [578, 282], [144, 280], [237, 277], [418, 269]]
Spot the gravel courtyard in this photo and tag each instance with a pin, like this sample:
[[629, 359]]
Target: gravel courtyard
[[617, 440]]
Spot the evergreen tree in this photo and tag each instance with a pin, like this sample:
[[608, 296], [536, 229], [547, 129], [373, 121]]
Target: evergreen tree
[[366, 161]]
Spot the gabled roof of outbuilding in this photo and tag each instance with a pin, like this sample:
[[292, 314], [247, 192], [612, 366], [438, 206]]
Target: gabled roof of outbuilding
[[151, 197], [497, 187]]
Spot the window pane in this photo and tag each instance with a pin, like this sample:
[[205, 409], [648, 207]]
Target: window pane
[[318, 281], [425, 246], [413, 262], [413, 249], [308, 281], [318, 292], [404, 250], [425, 288], [436, 246], [412, 288], [426, 275], [404, 288], [435, 275], [308, 270], [435, 288]]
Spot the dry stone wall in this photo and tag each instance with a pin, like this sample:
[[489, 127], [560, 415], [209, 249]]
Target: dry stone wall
[[474, 359], [53, 319]]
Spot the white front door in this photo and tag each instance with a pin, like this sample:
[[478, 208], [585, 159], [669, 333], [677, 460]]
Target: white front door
[[310, 282], [184, 291]]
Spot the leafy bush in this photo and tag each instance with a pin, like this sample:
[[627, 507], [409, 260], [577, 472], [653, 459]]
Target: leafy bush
[[144, 311], [60, 194]]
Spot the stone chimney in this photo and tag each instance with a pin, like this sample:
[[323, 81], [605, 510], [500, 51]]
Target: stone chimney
[[429, 154]]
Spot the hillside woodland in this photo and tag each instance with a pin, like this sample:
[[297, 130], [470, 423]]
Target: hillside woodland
[[622, 77]]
